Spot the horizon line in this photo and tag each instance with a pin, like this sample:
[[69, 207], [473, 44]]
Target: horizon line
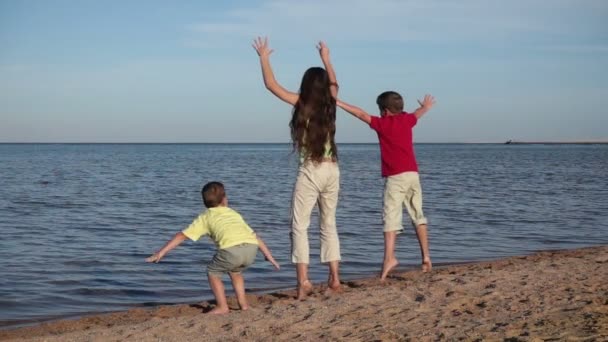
[[515, 142]]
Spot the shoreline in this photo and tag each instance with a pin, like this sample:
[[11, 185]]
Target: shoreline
[[29, 323], [549, 294]]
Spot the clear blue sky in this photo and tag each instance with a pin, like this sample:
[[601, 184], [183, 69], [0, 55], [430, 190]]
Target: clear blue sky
[[185, 71]]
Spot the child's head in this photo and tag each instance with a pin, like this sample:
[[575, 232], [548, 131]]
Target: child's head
[[390, 103], [314, 85], [214, 195]]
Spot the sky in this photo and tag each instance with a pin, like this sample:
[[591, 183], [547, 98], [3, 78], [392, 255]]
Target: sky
[[185, 71]]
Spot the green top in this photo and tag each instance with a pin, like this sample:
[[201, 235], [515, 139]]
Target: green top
[[304, 153]]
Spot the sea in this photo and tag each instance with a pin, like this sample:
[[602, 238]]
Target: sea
[[78, 220]]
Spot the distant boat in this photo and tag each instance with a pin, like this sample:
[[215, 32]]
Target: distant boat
[[580, 142]]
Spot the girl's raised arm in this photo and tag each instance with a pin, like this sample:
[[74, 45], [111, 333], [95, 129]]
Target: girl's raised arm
[[333, 82], [261, 47]]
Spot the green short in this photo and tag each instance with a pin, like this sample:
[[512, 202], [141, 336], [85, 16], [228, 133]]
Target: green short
[[232, 259]]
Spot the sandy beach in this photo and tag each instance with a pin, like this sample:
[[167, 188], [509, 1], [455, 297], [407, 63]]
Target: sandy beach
[[548, 296]]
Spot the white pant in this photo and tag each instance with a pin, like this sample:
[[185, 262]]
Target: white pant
[[316, 183]]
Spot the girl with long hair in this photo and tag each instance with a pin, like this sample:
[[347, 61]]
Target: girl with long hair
[[312, 127]]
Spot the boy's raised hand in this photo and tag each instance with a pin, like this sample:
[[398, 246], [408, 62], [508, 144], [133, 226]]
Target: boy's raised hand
[[261, 47], [427, 102], [425, 105], [323, 50]]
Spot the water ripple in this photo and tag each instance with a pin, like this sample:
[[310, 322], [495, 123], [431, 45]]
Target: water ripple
[[78, 220]]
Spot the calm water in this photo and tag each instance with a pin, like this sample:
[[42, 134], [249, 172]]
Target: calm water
[[77, 221]]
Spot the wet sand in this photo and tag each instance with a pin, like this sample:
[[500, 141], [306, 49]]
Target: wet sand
[[548, 296]]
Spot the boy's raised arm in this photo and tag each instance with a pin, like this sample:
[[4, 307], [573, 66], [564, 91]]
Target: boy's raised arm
[[333, 81], [356, 111], [261, 47], [176, 241], [266, 252], [425, 106]]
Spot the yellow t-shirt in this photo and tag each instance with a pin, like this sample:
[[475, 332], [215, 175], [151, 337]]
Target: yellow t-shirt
[[224, 226]]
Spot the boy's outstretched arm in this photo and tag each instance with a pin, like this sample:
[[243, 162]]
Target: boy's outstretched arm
[[176, 241], [425, 106], [333, 81], [266, 252], [356, 111], [261, 47]]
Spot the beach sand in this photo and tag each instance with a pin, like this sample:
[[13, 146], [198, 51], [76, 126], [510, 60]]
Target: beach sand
[[548, 296]]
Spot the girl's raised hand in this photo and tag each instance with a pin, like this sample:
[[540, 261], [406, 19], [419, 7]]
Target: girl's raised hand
[[261, 47], [323, 50]]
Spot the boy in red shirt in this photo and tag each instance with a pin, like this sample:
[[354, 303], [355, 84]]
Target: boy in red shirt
[[400, 170]]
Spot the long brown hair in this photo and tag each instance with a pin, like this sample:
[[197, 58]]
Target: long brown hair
[[313, 120]]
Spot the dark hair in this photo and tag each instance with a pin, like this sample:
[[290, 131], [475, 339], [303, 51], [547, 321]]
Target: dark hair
[[313, 121], [390, 100], [213, 193]]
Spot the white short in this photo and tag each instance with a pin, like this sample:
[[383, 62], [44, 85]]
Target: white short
[[402, 190]]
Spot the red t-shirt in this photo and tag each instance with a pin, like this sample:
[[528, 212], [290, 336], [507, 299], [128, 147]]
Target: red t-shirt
[[396, 142]]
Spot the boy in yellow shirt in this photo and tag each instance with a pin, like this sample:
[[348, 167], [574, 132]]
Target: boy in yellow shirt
[[237, 245]]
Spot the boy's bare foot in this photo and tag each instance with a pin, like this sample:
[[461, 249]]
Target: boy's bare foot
[[427, 265], [219, 311], [387, 267], [243, 304], [304, 289]]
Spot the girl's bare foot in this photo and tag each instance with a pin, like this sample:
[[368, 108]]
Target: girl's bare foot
[[333, 286], [219, 311], [333, 282], [332, 290], [244, 308], [427, 265], [304, 289], [387, 267]]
